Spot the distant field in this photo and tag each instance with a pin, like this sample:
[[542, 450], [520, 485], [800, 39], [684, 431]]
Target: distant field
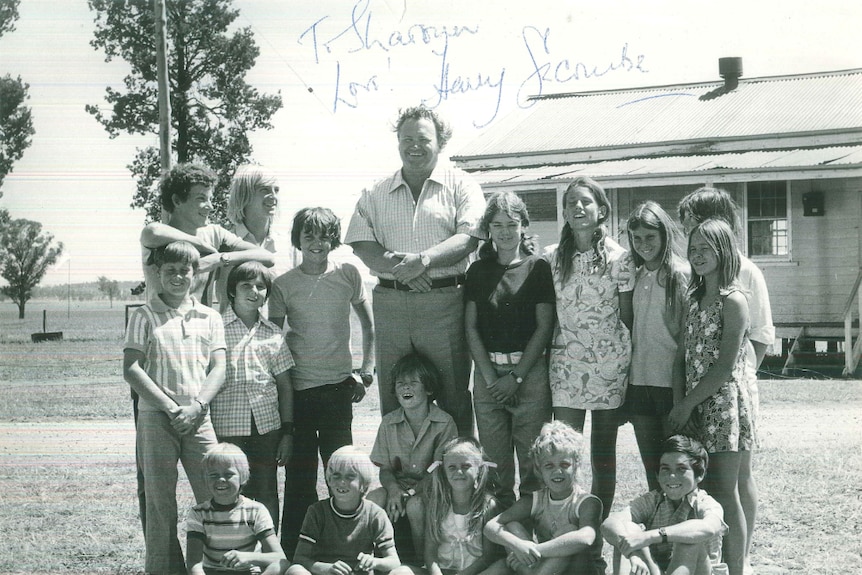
[[67, 456]]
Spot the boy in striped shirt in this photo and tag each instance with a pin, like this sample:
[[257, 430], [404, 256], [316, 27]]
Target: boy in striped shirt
[[222, 534], [174, 359]]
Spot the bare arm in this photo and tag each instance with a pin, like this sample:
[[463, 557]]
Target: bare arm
[[363, 312], [143, 385], [574, 542], [157, 234], [734, 317], [476, 345], [270, 552], [448, 252], [375, 256]]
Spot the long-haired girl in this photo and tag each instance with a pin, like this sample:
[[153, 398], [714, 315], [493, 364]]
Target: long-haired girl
[[717, 404], [509, 317], [591, 350], [459, 503], [659, 311]]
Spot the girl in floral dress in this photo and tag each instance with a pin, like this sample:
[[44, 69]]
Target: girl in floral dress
[[591, 350], [716, 407]]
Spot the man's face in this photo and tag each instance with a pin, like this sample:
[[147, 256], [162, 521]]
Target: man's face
[[418, 147]]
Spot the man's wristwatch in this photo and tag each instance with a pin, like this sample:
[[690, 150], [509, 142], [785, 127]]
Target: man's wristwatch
[[663, 534], [224, 259], [367, 378], [204, 406], [519, 380], [425, 259]]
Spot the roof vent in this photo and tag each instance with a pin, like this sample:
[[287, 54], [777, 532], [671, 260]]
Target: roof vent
[[731, 70]]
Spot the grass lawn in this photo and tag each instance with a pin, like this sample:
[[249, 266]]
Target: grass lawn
[[67, 479]]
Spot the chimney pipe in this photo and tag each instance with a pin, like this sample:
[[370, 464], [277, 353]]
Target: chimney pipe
[[731, 70]]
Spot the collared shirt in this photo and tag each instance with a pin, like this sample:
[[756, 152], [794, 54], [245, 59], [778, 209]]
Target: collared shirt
[[654, 510], [451, 202], [202, 286], [286, 258], [406, 454], [254, 357], [177, 345]]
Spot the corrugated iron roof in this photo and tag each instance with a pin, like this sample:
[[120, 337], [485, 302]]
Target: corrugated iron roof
[[761, 106], [753, 161]]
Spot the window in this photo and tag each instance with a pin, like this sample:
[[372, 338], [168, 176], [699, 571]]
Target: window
[[768, 219]]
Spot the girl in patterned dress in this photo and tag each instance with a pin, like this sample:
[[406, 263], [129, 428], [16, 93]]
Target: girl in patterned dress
[[591, 349], [715, 405]]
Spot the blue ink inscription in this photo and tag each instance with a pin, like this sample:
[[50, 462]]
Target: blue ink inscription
[[547, 69]]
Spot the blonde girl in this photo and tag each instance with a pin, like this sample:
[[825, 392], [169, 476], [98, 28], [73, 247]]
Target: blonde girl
[[556, 528], [659, 311], [716, 404], [591, 349], [459, 503]]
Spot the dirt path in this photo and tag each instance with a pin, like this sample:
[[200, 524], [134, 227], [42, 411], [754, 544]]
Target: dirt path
[[113, 441]]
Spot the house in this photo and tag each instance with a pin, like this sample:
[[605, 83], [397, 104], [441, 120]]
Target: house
[[788, 148]]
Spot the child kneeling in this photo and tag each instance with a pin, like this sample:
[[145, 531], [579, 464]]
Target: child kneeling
[[564, 518], [222, 534], [345, 534], [676, 529]]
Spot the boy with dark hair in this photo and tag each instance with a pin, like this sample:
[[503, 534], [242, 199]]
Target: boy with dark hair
[[254, 409], [315, 299], [174, 359], [676, 529]]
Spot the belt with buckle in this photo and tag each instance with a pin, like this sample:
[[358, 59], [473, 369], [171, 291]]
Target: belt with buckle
[[512, 358], [435, 283]]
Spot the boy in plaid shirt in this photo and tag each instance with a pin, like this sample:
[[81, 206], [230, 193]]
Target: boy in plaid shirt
[[254, 409]]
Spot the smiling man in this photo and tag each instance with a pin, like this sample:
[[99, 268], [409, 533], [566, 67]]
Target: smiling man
[[415, 231]]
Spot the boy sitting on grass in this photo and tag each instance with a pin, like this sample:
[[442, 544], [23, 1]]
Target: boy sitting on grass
[[345, 534], [174, 359], [222, 534], [676, 529]]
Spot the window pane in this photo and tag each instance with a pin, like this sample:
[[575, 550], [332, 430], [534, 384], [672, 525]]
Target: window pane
[[767, 238]]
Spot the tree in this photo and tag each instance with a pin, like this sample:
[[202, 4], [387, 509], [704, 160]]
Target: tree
[[16, 123], [213, 109], [8, 15], [110, 288], [26, 253]]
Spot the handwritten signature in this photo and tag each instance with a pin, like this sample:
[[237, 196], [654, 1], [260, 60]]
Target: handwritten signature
[[545, 64]]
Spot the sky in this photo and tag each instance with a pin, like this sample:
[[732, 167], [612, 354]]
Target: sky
[[345, 67]]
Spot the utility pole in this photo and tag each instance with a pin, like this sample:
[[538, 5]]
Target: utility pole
[[161, 20]]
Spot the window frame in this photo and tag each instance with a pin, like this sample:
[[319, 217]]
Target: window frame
[[747, 219]]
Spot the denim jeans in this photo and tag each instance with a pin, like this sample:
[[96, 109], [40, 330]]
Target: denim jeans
[[159, 450], [322, 422], [506, 430]]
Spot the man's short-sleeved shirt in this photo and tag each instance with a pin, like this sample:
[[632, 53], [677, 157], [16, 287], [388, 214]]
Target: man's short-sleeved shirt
[[225, 527], [328, 535], [254, 357], [406, 454], [202, 285], [451, 202], [177, 345], [654, 510], [316, 309]]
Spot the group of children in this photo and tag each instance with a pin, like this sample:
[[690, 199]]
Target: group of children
[[633, 336]]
